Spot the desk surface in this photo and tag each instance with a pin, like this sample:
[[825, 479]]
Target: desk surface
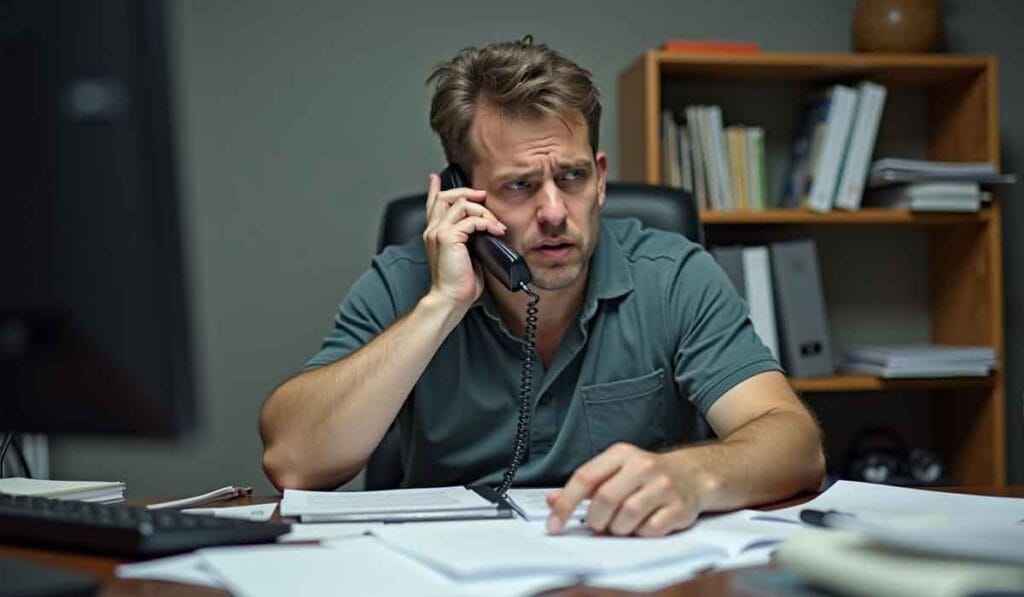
[[713, 583]]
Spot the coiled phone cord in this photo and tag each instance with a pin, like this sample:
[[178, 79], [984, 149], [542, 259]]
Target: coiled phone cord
[[525, 390]]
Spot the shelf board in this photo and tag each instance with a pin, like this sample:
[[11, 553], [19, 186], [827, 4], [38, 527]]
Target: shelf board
[[871, 383], [890, 69], [866, 216]]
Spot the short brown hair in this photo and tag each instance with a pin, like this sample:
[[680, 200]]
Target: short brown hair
[[520, 79]]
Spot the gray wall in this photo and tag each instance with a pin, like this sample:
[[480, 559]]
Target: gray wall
[[298, 120]]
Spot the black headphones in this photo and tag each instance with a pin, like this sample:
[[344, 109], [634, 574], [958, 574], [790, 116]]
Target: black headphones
[[879, 455]]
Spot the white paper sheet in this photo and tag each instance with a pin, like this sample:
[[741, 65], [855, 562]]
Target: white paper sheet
[[258, 512], [359, 566], [883, 503], [327, 531], [187, 569], [298, 502], [490, 548], [531, 503]]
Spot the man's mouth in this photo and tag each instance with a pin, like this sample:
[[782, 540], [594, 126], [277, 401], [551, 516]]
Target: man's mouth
[[554, 249]]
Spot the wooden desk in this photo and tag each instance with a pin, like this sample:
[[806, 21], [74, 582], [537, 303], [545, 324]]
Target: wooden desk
[[713, 583]]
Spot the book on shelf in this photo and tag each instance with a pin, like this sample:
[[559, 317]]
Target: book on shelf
[[803, 330], [919, 360], [700, 191], [757, 279], [736, 143], [696, 46], [818, 147], [757, 170], [101, 492], [671, 172], [868, 116]]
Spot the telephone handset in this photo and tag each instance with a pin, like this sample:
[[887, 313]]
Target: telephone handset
[[486, 249], [508, 266]]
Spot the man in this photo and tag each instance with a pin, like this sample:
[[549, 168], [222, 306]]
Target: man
[[638, 333]]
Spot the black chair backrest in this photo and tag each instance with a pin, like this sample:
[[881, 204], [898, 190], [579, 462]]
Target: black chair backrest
[[663, 208], [404, 219]]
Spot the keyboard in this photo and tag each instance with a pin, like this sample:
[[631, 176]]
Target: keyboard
[[118, 529]]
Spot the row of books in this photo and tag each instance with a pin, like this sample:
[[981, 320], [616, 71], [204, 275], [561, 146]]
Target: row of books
[[723, 167], [781, 283], [832, 149]]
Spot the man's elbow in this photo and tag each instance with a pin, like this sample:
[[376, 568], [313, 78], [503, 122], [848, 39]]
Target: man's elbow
[[817, 462], [286, 471], [282, 471]]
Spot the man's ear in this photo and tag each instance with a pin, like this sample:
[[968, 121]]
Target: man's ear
[[601, 159]]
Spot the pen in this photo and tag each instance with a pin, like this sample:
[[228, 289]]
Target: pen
[[825, 518]]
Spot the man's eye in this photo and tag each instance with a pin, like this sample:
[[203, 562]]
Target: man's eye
[[518, 185], [573, 175]]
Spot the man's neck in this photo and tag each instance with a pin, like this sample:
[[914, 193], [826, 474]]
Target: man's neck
[[556, 311]]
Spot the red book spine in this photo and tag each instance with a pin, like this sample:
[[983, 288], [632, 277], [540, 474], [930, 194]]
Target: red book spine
[[708, 47]]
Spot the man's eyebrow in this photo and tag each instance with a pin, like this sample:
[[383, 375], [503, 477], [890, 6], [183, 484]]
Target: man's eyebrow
[[513, 173], [582, 163]]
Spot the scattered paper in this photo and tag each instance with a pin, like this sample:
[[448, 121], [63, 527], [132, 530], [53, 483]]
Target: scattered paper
[[531, 503], [488, 549], [187, 569], [359, 566], [883, 503], [327, 531]]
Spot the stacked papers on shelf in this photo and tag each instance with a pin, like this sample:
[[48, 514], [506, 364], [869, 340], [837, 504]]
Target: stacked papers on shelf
[[889, 171], [929, 196], [101, 492], [919, 360]]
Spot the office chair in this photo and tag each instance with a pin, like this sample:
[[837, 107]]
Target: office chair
[[405, 218]]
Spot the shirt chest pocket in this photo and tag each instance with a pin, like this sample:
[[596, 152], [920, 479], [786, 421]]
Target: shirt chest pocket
[[628, 410]]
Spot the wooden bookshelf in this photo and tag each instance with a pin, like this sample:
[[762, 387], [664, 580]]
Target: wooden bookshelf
[[964, 259]]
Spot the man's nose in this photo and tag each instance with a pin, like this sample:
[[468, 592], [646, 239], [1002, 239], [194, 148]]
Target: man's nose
[[551, 208]]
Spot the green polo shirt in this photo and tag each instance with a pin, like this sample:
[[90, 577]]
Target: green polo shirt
[[661, 335]]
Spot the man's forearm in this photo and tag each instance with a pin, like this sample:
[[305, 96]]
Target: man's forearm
[[770, 458], [320, 427]]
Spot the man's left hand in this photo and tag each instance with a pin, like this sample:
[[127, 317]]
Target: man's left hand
[[632, 492]]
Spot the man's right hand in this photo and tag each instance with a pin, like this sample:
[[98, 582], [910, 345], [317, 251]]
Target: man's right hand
[[452, 216]]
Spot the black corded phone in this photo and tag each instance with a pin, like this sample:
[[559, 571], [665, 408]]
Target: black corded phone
[[510, 268]]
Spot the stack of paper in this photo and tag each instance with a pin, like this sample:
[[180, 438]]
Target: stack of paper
[[919, 360], [102, 492], [929, 196], [901, 541], [889, 171], [531, 504], [401, 505]]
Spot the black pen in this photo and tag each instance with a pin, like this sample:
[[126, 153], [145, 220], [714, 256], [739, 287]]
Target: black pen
[[825, 518]]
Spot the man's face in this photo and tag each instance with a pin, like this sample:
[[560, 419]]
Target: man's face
[[545, 184]]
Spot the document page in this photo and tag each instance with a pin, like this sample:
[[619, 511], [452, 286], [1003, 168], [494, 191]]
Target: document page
[[883, 503], [297, 502], [479, 549]]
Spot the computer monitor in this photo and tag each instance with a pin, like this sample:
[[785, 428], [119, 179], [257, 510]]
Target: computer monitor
[[94, 327]]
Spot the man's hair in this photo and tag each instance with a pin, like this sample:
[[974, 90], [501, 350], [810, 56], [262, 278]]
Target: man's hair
[[521, 80]]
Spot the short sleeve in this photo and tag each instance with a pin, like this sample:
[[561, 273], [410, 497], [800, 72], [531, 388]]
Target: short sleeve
[[716, 346], [367, 310]]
